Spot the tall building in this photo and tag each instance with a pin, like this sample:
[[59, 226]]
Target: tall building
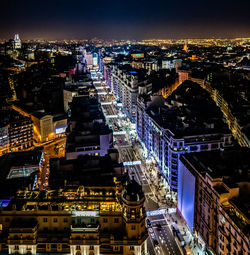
[[124, 84], [213, 199], [17, 42], [185, 47], [187, 121]]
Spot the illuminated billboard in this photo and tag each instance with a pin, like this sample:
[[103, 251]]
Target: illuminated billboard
[[60, 130]]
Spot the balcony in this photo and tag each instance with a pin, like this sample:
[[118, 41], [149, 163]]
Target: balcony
[[82, 227], [84, 241], [21, 241]]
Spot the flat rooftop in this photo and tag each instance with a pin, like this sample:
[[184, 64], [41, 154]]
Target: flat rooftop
[[188, 111], [232, 164]]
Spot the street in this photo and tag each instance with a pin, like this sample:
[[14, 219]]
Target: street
[[161, 239]]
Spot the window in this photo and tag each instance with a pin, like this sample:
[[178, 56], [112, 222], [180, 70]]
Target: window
[[133, 227], [45, 219], [55, 220], [116, 248], [204, 147], [91, 247], [105, 220], [214, 146], [116, 220], [78, 247], [193, 148], [65, 220], [16, 247], [131, 248], [7, 219]]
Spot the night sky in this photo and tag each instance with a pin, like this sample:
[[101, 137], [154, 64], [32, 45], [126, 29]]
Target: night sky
[[127, 19]]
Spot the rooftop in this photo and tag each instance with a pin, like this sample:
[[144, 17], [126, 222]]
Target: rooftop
[[232, 164], [189, 110], [86, 170]]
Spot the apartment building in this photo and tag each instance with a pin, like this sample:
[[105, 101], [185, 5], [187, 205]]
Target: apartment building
[[213, 192], [187, 121], [124, 84]]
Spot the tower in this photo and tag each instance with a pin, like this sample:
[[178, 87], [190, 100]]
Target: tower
[[134, 216], [185, 47], [17, 42]]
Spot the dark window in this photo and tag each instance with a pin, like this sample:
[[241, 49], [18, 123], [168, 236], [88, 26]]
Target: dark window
[[105, 220], [214, 146], [116, 220], [193, 148], [45, 219], [204, 147], [55, 220]]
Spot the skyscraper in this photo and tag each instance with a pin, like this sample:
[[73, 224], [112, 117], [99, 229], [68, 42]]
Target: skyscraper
[[17, 42]]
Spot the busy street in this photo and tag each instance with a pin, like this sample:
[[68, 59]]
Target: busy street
[[161, 239]]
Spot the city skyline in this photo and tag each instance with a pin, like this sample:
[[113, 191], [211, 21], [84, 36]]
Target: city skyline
[[130, 20]]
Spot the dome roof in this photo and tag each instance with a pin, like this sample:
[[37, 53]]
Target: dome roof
[[132, 191]]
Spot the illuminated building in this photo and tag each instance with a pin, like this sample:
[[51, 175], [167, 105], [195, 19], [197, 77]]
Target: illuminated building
[[4, 139], [137, 55], [213, 199], [95, 212], [171, 128], [16, 133], [46, 126], [89, 59], [236, 119], [20, 130], [95, 60], [17, 42], [171, 63], [43, 123], [151, 65], [185, 47], [183, 75], [124, 84]]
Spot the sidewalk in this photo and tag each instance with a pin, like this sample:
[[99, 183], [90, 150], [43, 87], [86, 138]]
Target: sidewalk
[[174, 218], [167, 200]]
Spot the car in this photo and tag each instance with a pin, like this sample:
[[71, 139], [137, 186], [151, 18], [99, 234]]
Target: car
[[151, 230], [155, 242], [148, 223]]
